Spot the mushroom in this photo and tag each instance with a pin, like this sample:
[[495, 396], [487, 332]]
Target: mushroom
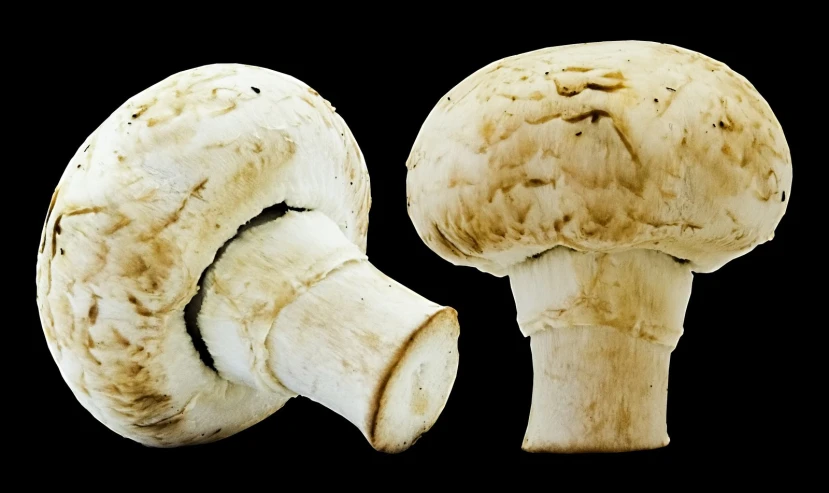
[[243, 185], [599, 177]]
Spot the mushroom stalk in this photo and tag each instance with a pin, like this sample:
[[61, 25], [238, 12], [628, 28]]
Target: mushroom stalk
[[602, 330], [292, 304]]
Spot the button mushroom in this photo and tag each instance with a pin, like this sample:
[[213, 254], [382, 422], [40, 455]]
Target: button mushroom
[[599, 177], [242, 185]]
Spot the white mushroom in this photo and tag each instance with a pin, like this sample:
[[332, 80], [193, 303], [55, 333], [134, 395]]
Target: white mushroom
[[290, 305], [598, 177]]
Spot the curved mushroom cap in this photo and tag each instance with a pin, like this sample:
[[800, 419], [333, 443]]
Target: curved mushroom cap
[[140, 213], [600, 147]]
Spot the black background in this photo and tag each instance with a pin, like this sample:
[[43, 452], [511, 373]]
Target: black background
[[738, 380]]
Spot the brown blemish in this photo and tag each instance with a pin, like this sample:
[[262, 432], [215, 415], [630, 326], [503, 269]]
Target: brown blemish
[[142, 109], [521, 213], [558, 225], [136, 266], [576, 69], [379, 397], [226, 110], [443, 240], [219, 145], [92, 357], [633, 156], [176, 215], [535, 96], [49, 214], [488, 130], [594, 116], [120, 339], [139, 307], [85, 210], [572, 90], [542, 119], [123, 221], [55, 232], [82, 389], [92, 314], [196, 192], [536, 182], [149, 404]]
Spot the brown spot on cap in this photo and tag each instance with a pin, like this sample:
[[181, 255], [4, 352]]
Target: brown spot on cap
[[92, 314]]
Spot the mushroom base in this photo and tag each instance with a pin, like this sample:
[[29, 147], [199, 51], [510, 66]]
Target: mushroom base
[[596, 389], [602, 328]]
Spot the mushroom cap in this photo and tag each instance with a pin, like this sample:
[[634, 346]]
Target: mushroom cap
[[141, 211], [599, 147]]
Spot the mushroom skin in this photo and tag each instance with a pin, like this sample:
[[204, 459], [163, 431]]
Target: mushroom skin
[[155, 197], [599, 177]]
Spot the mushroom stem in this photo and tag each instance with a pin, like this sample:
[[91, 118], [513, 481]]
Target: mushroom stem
[[602, 330], [298, 306]]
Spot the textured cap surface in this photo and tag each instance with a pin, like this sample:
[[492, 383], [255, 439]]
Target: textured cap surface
[[140, 213], [601, 147]]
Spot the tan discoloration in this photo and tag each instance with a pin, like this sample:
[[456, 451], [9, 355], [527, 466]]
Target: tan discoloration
[[226, 110], [380, 393], [56, 230], [48, 215], [122, 222], [139, 307], [119, 339], [713, 143]]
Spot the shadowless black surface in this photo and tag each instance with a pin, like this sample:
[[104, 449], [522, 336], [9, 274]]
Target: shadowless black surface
[[734, 377]]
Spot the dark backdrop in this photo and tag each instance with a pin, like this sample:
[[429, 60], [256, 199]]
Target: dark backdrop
[[736, 376]]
